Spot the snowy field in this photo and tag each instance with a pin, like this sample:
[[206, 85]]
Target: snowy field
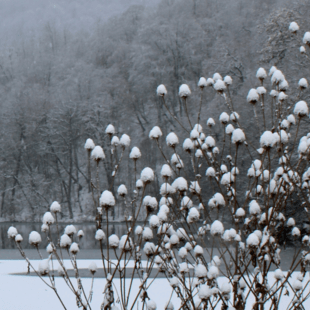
[[21, 292]]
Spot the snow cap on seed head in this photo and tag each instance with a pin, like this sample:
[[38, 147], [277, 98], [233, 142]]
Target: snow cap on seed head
[[155, 133], [122, 190], [293, 27], [210, 122], [12, 232], [55, 207], [147, 175], [172, 139], [107, 199], [89, 145], [253, 96], [303, 83], [161, 90], [301, 108], [97, 153], [228, 80], [35, 238], [219, 86], [184, 91], [124, 140], [224, 118], [166, 171], [261, 73], [110, 130], [135, 153], [238, 136], [306, 38], [217, 228], [202, 82], [48, 218]]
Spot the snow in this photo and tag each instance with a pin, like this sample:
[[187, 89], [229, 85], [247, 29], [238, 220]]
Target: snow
[[202, 82], [301, 108], [198, 250], [200, 271], [166, 189], [147, 175], [261, 73], [285, 124], [124, 140], [182, 252], [155, 133], [283, 137], [217, 228], [115, 141], [194, 134], [261, 90], [12, 232], [204, 292], [55, 207], [193, 215], [97, 153], [138, 230], [149, 248], [35, 238], [74, 248], [274, 93], [188, 144], [154, 221], [293, 27], [252, 96], [306, 38], [161, 90], [229, 129], [174, 239], [180, 184], [272, 70], [186, 203], [234, 116], [267, 139], [147, 234], [92, 267], [122, 190], [107, 199], [290, 222], [219, 85], [282, 96], [110, 130], [252, 240], [224, 118], [240, 212], [89, 145], [184, 91], [295, 232], [19, 238], [283, 85], [277, 77], [238, 136], [65, 241], [210, 142], [210, 172], [172, 139], [302, 50], [217, 76], [44, 267], [139, 184], [210, 82], [303, 83], [175, 159], [48, 218], [228, 80], [100, 235], [254, 208], [195, 187], [227, 178], [49, 248], [166, 171], [151, 305], [210, 122]]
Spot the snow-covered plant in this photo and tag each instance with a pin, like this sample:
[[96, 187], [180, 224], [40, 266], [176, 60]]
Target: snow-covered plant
[[212, 215]]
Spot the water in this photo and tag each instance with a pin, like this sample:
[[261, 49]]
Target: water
[[87, 242]]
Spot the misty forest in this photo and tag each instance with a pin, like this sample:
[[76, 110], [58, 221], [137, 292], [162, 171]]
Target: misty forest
[[68, 69]]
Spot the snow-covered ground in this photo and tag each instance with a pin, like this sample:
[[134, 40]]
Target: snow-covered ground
[[21, 292]]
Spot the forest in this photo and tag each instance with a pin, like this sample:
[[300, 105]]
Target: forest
[[69, 71]]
